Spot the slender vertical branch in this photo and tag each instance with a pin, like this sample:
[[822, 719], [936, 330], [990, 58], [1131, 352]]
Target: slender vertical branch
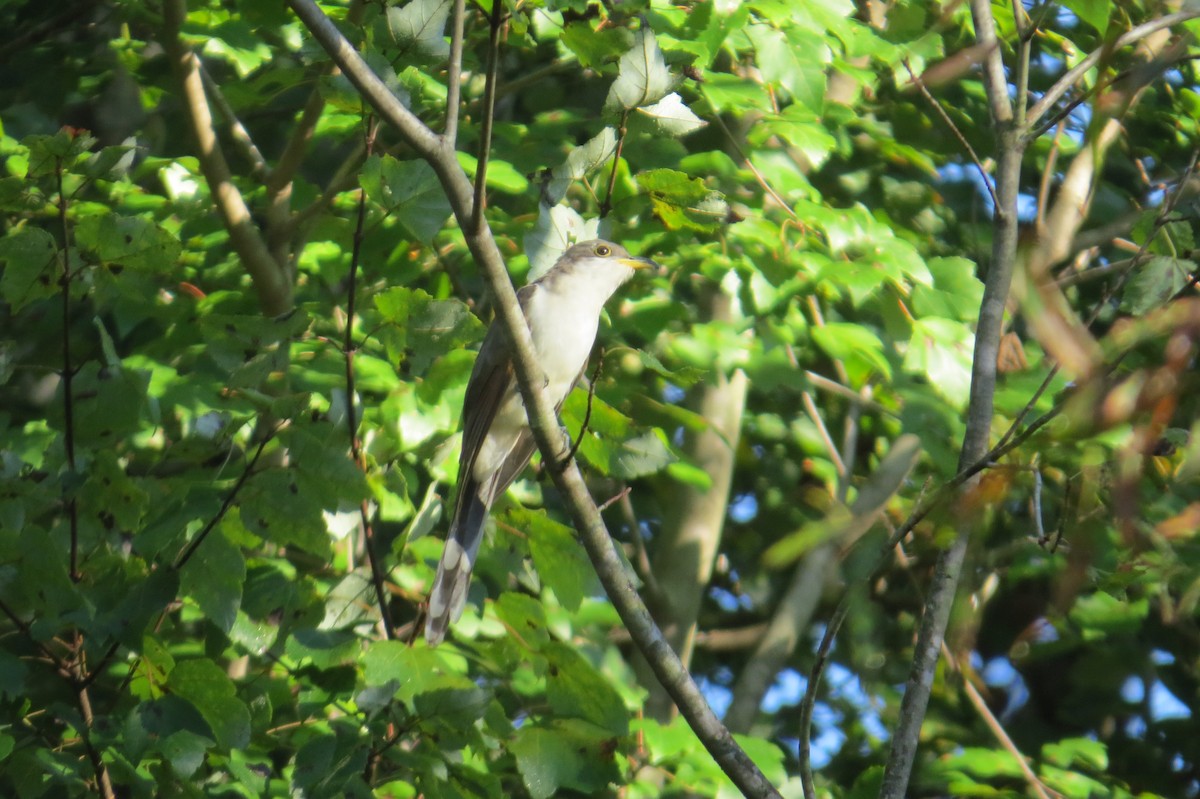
[[348, 350], [979, 410], [454, 73], [68, 369], [622, 129], [489, 114], [78, 675]]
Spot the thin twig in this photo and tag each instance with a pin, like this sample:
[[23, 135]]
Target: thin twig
[[68, 370], [194, 544], [587, 414], [348, 349], [271, 282], [962, 140], [810, 695], [641, 562], [237, 131], [758, 176], [622, 130], [489, 114], [104, 782], [813, 413]]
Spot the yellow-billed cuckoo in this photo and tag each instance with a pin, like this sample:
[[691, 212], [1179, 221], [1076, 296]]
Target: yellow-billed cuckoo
[[562, 308]]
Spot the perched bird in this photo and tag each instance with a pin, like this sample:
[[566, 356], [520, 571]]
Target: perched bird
[[562, 308]]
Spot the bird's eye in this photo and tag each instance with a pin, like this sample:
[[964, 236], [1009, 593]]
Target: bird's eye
[[602, 250]]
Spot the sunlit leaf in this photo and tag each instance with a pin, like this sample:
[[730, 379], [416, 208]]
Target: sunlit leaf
[[642, 77]]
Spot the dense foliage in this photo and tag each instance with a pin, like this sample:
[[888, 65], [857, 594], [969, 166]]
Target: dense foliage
[[237, 318]]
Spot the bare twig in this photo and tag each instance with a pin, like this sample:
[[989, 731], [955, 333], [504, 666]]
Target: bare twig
[[68, 370], [622, 130], [1071, 76], [489, 114], [237, 131], [587, 414], [830, 448], [810, 695], [962, 140], [186, 554], [348, 349]]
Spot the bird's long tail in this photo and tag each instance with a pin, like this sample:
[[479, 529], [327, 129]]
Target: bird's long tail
[[449, 594]]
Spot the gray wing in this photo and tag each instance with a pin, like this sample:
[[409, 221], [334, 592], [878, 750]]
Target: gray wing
[[491, 380]]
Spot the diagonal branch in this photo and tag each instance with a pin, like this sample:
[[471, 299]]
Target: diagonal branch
[[551, 441], [1072, 75], [241, 136], [270, 280]]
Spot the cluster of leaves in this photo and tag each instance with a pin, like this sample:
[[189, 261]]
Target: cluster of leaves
[[191, 602]]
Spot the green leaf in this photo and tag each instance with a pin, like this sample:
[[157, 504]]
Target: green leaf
[[501, 175], [642, 76], [941, 350], [1155, 283], [31, 269], [1102, 613], [559, 757], [955, 293], [580, 162], [208, 688], [801, 128], [1093, 12], [683, 202], [415, 670], [576, 690], [524, 616], [594, 47], [853, 343], [213, 577], [421, 329], [561, 561], [1077, 752], [779, 58], [128, 241], [421, 23], [184, 750], [408, 190], [108, 406]]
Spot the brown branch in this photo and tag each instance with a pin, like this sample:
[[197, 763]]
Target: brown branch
[[610, 567], [270, 280]]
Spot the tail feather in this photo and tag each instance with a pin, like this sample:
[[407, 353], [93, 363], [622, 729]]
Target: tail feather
[[449, 594]]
